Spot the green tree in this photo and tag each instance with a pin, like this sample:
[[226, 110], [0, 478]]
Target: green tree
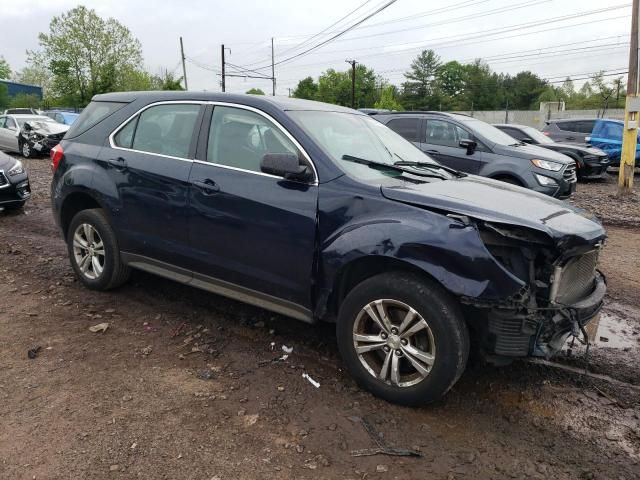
[[388, 99], [4, 96], [307, 88], [524, 90], [5, 69], [451, 82], [255, 91], [23, 100], [335, 87], [86, 54], [419, 88]]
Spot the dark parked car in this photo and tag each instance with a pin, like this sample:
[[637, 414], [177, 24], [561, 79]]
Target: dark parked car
[[14, 183], [474, 146], [591, 162], [569, 130], [319, 212]]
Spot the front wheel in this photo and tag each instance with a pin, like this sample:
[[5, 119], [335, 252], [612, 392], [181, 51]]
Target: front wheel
[[403, 338], [26, 150], [93, 251]]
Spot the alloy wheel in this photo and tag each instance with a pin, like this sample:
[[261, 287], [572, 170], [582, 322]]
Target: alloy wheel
[[26, 150], [88, 251], [394, 342]]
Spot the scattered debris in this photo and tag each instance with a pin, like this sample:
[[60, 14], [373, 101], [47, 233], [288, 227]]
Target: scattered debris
[[381, 447], [206, 375], [176, 332], [134, 445], [33, 353], [250, 420], [114, 468], [101, 327], [147, 350], [311, 380], [382, 468], [287, 350], [280, 388]]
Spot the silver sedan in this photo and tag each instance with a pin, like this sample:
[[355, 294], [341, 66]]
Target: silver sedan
[[10, 126]]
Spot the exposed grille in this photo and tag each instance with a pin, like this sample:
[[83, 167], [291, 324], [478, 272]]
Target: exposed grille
[[3, 179], [577, 278], [512, 335], [569, 173]]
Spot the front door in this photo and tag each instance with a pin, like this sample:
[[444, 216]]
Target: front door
[[442, 142], [149, 164], [248, 228]]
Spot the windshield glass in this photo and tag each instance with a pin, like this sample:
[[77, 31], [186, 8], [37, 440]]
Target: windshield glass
[[488, 131], [353, 135], [536, 135]]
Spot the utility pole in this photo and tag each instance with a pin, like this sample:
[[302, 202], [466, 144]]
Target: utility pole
[[184, 68], [273, 70], [289, 91], [222, 53], [353, 82], [630, 134]]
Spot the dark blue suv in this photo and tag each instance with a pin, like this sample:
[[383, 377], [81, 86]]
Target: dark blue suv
[[319, 212]]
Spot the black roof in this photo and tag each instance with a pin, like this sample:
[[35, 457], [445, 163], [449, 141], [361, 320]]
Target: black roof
[[258, 101], [425, 112]]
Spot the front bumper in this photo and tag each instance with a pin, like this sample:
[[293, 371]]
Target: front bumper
[[594, 168], [16, 191], [541, 333]]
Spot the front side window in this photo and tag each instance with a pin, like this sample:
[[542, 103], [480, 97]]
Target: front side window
[[407, 127], [11, 123], [162, 129], [240, 138]]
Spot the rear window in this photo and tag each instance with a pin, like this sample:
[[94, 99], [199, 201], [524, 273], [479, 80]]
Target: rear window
[[93, 114]]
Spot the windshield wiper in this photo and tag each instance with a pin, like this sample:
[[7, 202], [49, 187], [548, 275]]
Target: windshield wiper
[[389, 166], [434, 166]]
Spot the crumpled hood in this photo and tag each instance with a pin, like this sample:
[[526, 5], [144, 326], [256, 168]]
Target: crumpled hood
[[47, 128], [494, 201]]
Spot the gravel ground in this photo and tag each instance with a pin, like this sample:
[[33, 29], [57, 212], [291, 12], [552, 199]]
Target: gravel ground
[[182, 385]]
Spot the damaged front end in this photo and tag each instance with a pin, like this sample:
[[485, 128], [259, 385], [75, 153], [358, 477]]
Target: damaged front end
[[562, 291], [42, 136]]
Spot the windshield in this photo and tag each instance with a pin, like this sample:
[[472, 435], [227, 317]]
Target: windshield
[[352, 135], [536, 135], [488, 131]]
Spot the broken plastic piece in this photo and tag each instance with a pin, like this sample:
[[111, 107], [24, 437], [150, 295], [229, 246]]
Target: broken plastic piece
[[101, 327], [286, 349], [311, 380]]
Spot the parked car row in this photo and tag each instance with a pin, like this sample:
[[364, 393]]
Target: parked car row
[[322, 213], [602, 133]]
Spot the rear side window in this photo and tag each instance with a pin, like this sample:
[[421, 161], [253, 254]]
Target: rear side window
[[567, 126], [407, 127], [440, 132], [584, 126], [163, 129], [513, 132], [93, 114]]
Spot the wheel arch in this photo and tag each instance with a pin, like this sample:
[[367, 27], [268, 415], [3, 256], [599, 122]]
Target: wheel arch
[[75, 202]]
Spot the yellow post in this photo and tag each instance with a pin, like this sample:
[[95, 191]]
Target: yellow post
[[632, 109], [629, 142]]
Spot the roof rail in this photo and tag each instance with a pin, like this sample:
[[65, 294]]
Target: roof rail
[[422, 112]]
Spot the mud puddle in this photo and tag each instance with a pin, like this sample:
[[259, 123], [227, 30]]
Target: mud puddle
[[617, 328]]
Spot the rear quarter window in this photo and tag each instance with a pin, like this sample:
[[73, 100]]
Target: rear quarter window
[[92, 115], [407, 127]]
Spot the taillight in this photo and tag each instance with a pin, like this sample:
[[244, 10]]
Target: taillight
[[545, 133], [57, 154]]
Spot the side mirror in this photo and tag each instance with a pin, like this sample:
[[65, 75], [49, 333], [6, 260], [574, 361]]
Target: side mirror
[[470, 145], [285, 165], [527, 140]]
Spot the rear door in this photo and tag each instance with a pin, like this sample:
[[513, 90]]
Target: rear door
[[148, 161], [442, 142], [408, 127], [253, 231]]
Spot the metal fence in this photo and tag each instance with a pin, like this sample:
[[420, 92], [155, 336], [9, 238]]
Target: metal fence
[[536, 118]]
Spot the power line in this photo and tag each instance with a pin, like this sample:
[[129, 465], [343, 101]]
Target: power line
[[324, 42]]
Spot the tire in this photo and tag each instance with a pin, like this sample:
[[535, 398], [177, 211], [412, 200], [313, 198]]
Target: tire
[[26, 150], [91, 227], [446, 338]]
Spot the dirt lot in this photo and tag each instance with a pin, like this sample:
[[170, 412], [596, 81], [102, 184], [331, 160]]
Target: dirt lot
[[182, 386]]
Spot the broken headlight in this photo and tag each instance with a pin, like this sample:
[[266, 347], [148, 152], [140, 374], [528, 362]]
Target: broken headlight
[[17, 169]]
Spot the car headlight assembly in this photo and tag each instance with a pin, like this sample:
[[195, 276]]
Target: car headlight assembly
[[547, 165], [546, 181], [17, 169]]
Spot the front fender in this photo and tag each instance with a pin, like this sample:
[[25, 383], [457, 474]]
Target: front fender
[[450, 252]]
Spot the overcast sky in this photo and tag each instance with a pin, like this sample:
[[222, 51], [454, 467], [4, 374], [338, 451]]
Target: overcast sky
[[552, 38]]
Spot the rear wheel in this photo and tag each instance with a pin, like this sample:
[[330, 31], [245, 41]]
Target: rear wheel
[[403, 338], [93, 251]]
